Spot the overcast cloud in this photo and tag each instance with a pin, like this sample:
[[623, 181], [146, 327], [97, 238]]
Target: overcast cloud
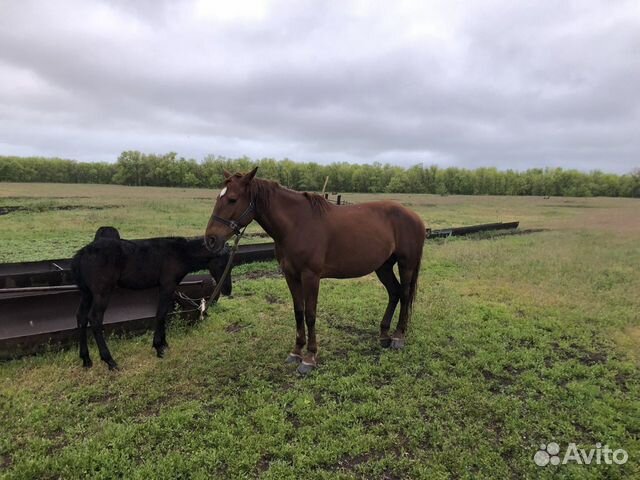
[[490, 83]]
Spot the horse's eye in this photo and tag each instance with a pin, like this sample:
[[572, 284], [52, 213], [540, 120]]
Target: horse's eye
[[233, 200]]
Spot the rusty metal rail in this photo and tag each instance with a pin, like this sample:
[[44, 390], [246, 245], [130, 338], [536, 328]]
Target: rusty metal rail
[[468, 230], [57, 272]]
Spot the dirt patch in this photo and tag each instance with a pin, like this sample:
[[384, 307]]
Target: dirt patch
[[5, 461], [264, 463], [576, 352], [27, 197], [261, 274], [593, 358], [350, 463], [414, 204], [6, 209], [503, 233], [499, 382], [235, 327], [351, 330], [488, 235], [270, 298], [572, 205]]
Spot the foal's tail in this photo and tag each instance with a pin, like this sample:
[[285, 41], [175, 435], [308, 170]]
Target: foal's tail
[[76, 272]]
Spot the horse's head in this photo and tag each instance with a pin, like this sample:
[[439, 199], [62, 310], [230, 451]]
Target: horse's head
[[233, 210]]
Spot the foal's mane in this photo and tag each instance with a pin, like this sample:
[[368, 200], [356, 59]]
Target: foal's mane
[[262, 191]]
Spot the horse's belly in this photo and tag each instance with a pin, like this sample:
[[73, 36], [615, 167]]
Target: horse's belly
[[137, 280], [355, 260], [347, 271]]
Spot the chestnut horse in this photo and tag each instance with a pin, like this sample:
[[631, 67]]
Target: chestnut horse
[[315, 239]]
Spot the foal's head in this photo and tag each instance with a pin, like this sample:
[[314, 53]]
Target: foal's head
[[107, 232], [233, 210]]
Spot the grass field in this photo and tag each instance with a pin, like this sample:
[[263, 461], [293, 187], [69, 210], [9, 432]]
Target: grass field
[[515, 341]]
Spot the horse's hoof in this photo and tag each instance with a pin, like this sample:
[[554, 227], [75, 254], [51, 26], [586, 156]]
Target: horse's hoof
[[385, 342], [397, 343], [160, 352], [293, 358], [304, 368], [87, 363], [113, 366]]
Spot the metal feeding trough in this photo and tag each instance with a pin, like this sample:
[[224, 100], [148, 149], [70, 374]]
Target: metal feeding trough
[[41, 316], [460, 231], [38, 300]]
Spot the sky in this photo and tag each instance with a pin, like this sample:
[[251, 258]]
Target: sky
[[452, 83]]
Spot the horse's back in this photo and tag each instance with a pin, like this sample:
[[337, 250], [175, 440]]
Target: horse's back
[[385, 217], [362, 237]]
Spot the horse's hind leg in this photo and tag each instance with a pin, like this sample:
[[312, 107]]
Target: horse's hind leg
[[82, 317], [310, 287], [388, 278], [295, 287], [96, 316], [406, 275]]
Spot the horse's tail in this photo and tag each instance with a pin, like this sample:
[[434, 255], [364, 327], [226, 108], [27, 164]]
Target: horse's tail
[[413, 284]]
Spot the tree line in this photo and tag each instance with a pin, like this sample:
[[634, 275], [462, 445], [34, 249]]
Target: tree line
[[169, 170]]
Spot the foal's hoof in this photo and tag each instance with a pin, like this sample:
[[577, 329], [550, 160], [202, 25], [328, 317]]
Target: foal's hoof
[[385, 342], [293, 358], [161, 349], [113, 366], [87, 363], [304, 368], [397, 343]]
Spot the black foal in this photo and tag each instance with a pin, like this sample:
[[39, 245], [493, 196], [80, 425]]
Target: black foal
[[109, 262]]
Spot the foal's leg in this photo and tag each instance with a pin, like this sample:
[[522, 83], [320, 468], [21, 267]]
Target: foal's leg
[[96, 316], [295, 287], [310, 287], [82, 316], [164, 304], [405, 293], [388, 278]]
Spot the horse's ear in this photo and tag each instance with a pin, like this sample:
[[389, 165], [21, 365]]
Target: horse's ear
[[249, 176], [226, 174]]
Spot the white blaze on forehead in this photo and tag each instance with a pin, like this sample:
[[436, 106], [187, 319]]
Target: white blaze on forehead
[[223, 191]]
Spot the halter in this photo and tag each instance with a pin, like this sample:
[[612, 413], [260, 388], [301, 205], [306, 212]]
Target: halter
[[234, 224], [239, 231]]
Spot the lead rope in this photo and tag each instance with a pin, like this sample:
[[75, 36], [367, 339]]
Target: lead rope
[[204, 306]]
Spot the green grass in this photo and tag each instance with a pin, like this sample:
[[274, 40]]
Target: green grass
[[515, 341]]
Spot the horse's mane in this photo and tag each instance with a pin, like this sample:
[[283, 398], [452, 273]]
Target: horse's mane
[[262, 191]]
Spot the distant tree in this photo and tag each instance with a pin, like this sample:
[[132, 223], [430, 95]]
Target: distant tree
[[168, 170]]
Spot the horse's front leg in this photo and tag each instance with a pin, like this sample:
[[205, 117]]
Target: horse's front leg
[[310, 287], [295, 287], [165, 300]]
